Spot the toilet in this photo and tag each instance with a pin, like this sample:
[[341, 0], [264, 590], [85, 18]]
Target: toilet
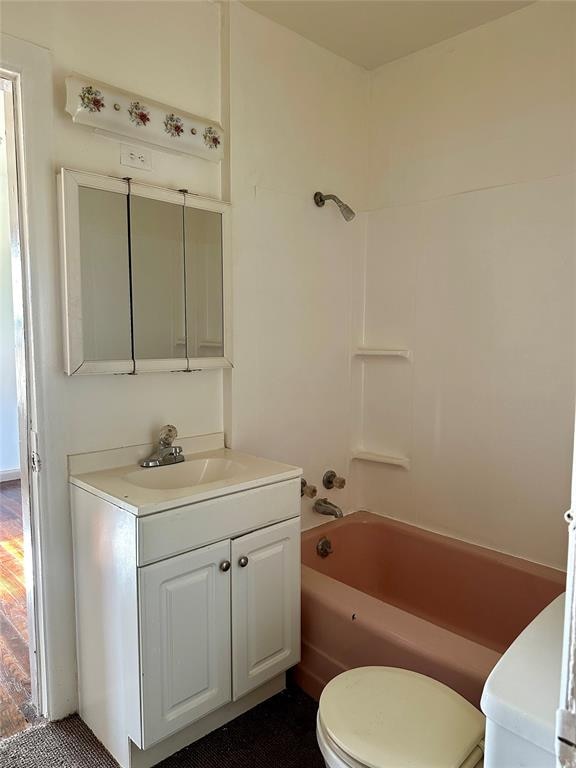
[[385, 717]]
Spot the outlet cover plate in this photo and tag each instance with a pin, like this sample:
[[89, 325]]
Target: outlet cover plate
[[135, 157]]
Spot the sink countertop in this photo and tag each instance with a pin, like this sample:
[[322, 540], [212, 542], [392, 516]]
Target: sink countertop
[[112, 485]]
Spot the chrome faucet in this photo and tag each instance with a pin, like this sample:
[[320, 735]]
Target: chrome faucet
[[165, 453], [325, 507]]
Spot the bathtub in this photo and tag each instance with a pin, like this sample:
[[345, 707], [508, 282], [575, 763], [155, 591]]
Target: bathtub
[[396, 595]]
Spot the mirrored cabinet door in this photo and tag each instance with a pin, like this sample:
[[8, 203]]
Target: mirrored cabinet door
[[95, 251], [146, 277], [158, 280], [104, 274], [204, 283]]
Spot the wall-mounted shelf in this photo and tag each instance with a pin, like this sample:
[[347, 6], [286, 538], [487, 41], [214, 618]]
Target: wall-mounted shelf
[[369, 352], [382, 458]]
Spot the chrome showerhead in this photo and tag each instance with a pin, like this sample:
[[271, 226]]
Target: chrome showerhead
[[345, 210]]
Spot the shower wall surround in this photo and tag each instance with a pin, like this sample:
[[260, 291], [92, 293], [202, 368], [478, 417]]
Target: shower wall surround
[[469, 264]]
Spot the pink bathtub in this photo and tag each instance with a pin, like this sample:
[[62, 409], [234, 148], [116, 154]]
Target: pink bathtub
[[396, 595]]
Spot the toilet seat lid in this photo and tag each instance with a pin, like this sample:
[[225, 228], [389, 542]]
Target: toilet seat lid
[[384, 716]]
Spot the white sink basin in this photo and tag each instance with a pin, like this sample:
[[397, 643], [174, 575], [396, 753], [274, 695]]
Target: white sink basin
[[187, 474], [210, 470]]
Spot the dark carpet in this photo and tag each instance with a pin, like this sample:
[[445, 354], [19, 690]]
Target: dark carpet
[[280, 733]]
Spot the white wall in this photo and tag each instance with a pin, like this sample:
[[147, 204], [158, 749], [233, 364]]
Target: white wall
[[297, 114], [174, 57], [9, 445], [470, 265]]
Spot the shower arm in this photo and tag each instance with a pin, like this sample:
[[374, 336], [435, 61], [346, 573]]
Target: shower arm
[[320, 198]]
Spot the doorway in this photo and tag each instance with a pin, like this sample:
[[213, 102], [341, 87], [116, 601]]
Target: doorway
[[18, 665]]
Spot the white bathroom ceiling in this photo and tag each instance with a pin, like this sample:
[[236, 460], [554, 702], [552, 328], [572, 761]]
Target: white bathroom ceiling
[[373, 32]]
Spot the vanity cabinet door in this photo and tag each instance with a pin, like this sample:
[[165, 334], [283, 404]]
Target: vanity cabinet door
[[184, 639], [265, 604]]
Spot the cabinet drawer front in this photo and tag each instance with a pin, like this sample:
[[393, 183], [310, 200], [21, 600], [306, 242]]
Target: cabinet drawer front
[[265, 605], [184, 528], [185, 640]]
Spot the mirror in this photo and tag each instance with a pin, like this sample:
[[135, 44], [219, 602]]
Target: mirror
[[105, 275], [204, 307], [146, 275], [158, 279]]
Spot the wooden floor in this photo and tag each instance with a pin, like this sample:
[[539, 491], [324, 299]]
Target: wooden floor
[[16, 711]]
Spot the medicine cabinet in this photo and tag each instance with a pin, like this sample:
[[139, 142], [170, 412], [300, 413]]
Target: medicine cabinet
[[146, 277]]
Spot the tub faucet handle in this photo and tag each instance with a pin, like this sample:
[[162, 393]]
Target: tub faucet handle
[[309, 491], [331, 480]]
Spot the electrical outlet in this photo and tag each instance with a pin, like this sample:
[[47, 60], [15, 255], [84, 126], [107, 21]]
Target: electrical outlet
[[135, 157]]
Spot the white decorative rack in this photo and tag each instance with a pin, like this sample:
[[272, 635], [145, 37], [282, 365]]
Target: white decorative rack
[[120, 115], [381, 458], [368, 352]]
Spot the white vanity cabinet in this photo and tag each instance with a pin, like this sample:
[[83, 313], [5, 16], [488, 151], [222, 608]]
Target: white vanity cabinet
[[216, 623], [186, 617]]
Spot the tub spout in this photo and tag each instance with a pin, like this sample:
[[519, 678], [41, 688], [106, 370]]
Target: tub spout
[[325, 507]]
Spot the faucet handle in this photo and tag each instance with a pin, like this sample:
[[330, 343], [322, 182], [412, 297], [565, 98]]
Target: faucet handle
[[168, 434], [309, 491], [331, 480]]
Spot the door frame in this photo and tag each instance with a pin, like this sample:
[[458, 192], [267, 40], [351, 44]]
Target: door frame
[[10, 93], [28, 68]]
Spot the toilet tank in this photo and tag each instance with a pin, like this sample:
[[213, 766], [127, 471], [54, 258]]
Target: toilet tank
[[521, 695]]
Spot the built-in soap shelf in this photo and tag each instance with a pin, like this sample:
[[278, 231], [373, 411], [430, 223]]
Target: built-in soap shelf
[[381, 458], [365, 352]]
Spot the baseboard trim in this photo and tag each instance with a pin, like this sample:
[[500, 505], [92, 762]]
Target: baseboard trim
[[9, 474]]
